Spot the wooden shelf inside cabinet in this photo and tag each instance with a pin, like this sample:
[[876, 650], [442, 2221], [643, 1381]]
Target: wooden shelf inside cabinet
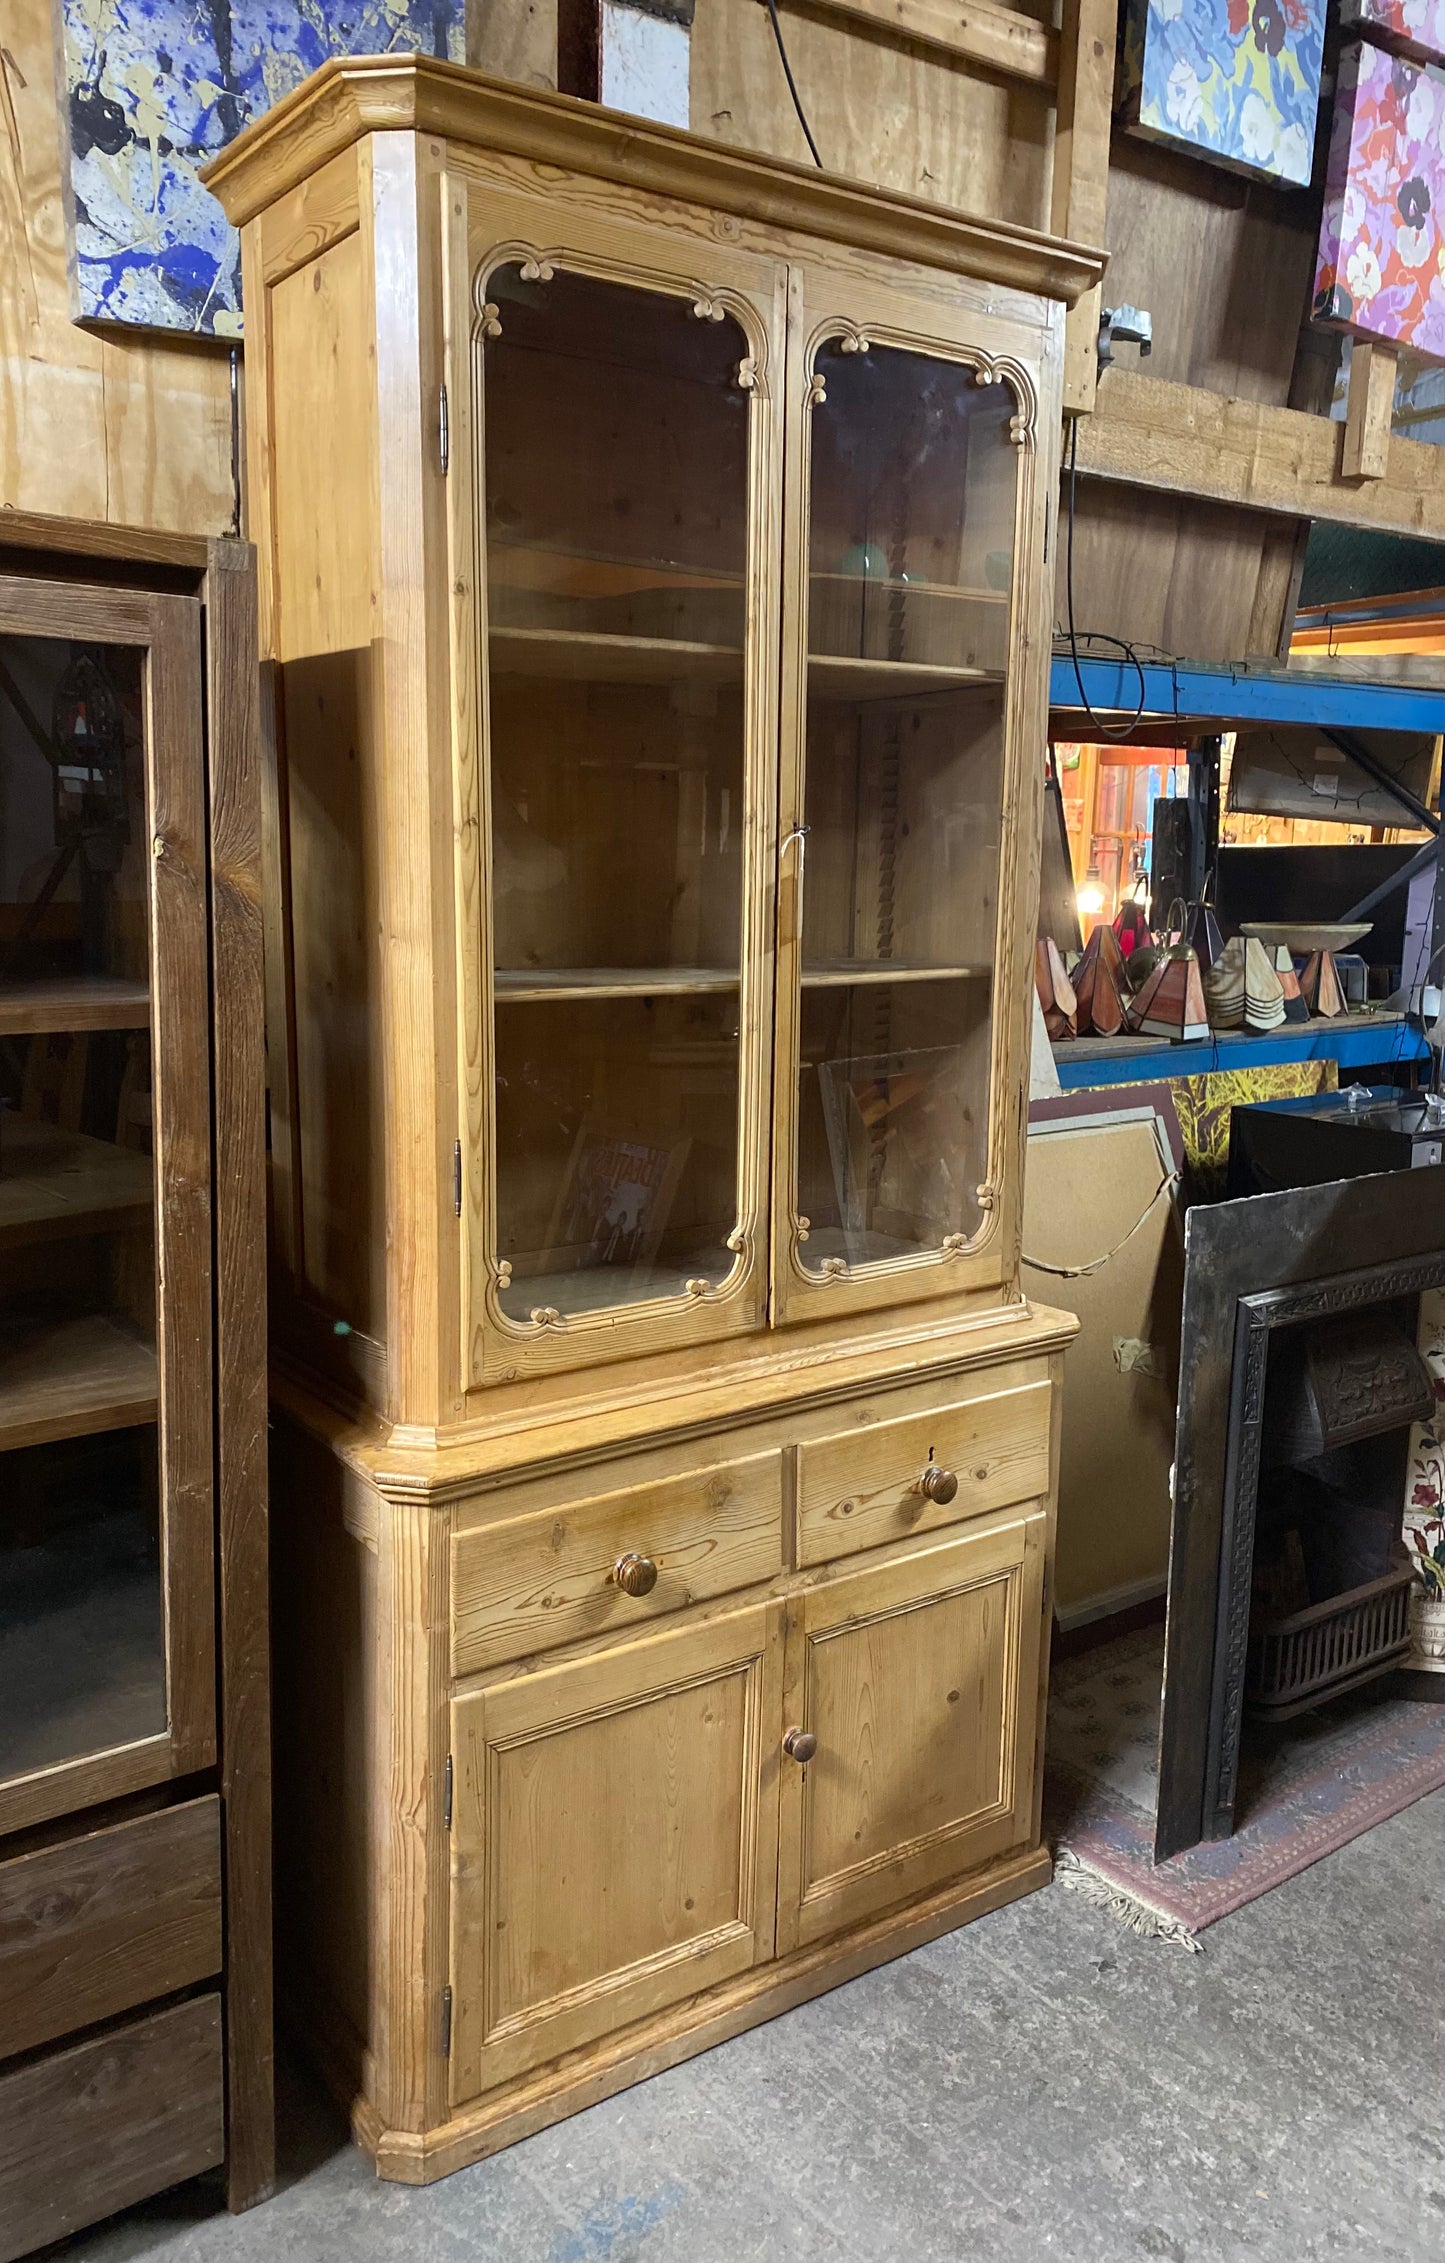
[[58, 1182], [844, 974], [75, 1002], [576, 655], [839, 676], [531, 985], [72, 1378]]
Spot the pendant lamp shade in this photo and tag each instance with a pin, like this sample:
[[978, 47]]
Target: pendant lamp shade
[[1056, 992], [1202, 931], [1171, 1003], [1224, 987], [1295, 1008], [1101, 986], [1263, 990], [1320, 986]]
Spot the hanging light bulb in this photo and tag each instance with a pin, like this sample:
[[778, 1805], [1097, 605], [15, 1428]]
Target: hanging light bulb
[[1089, 896]]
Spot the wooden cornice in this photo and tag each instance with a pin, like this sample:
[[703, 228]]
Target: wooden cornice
[[352, 96], [1146, 432]]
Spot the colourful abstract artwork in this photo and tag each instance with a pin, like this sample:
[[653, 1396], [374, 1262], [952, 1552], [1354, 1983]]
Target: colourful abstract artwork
[[1234, 80], [155, 88], [1409, 27], [1381, 267]]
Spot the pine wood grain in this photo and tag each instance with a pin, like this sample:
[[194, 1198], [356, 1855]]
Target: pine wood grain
[[546, 1579], [860, 1488]]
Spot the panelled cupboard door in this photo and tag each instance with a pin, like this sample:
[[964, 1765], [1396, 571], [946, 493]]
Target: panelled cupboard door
[[614, 1839], [107, 1549], [913, 708], [619, 393], [918, 1682]]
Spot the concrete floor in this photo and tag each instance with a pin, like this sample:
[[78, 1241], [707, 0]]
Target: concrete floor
[[1040, 2084]]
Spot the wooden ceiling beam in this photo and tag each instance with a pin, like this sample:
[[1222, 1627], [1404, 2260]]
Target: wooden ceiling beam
[[998, 39], [1146, 432]]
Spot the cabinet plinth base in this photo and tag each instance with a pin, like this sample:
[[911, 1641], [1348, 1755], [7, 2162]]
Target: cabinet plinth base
[[585, 2077]]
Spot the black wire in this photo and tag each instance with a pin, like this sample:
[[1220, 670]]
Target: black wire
[[772, 7], [1104, 730]]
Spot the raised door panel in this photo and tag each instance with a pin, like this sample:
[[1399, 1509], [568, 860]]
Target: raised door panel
[[918, 1679], [919, 457], [614, 1840]]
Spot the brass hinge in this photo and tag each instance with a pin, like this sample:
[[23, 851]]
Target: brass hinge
[[446, 2023], [457, 1178], [447, 1797], [444, 432]]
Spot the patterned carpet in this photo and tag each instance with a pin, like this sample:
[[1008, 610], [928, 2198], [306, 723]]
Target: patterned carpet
[[1305, 1787]]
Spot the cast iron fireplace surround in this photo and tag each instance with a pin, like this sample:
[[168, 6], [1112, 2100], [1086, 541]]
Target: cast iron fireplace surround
[[1252, 1267]]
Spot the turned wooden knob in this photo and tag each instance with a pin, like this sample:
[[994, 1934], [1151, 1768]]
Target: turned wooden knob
[[938, 1485], [800, 1745], [635, 1575]]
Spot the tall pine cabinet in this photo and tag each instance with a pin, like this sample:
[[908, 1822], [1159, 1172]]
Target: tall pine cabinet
[[654, 548]]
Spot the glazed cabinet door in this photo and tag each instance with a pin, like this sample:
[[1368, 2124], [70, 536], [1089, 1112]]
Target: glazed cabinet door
[[107, 1673], [614, 1841], [911, 1714], [916, 635], [623, 427]]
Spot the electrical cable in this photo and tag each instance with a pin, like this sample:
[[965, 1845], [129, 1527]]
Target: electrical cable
[[1113, 734], [772, 8], [1077, 1272]]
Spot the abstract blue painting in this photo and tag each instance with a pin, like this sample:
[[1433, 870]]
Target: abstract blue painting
[[155, 88], [1237, 81]]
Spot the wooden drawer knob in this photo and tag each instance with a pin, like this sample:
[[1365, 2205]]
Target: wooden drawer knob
[[938, 1485], [635, 1575], [800, 1745]]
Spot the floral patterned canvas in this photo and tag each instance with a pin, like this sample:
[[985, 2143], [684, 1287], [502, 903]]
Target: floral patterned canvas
[[1411, 27], [1235, 80], [1381, 268], [155, 88]]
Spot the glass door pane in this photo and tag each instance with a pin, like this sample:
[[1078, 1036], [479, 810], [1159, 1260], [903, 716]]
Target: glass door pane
[[82, 1612], [616, 451], [913, 478]]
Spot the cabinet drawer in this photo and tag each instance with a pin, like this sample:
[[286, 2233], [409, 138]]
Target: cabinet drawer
[[862, 1486], [533, 1582], [86, 2131], [102, 1923]]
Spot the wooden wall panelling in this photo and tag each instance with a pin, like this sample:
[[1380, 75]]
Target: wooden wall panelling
[[1004, 40], [113, 426], [87, 2131], [514, 39], [1223, 265], [1080, 189], [238, 1062], [883, 109]]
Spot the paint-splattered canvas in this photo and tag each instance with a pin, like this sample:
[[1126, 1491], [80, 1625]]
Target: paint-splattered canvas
[[1409, 27], [1381, 268], [1237, 81], [155, 88]]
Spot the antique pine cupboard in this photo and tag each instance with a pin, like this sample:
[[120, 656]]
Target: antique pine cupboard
[[653, 546]]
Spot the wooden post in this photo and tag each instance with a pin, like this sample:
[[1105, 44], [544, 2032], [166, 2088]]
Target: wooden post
[[1079, 206], [1366, 451]]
